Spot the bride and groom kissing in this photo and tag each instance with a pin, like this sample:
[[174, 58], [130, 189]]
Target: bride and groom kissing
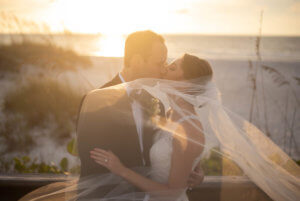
[[114, 134], [142, 135]]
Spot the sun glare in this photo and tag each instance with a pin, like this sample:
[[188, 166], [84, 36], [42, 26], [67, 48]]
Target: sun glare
[[114, 16], [111, 45], [113, 19]]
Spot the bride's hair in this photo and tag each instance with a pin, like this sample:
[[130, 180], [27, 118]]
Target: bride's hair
[[193, 67]]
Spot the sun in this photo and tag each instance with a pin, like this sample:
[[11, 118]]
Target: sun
[[111, 45]]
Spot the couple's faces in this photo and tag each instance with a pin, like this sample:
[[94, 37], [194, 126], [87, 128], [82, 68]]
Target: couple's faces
[[155, 64], [152, 66], [158, 67], [174, 70]]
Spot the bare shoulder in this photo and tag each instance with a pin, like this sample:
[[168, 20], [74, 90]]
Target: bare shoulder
[[189, 138]]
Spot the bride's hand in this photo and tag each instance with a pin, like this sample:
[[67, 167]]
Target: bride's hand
[[108, 159]]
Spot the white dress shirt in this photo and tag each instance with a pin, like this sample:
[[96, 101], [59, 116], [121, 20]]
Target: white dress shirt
[[138, 118]]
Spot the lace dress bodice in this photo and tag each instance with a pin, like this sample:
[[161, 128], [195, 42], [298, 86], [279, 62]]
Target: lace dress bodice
[[160, 157]]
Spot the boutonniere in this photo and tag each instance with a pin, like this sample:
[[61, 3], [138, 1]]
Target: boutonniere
[[153, 109], [151, 105]]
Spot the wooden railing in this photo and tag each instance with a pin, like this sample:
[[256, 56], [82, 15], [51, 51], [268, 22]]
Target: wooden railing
[[13, 187]]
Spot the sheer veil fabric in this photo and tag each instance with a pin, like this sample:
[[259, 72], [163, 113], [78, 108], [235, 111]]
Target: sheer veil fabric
[[238, 140]]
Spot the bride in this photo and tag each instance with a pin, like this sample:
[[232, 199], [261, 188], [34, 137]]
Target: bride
[[195, 122]]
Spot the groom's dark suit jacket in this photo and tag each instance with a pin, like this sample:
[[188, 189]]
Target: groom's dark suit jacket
[[112, 128]]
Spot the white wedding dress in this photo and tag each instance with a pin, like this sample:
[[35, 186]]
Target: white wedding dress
[[161, 155]]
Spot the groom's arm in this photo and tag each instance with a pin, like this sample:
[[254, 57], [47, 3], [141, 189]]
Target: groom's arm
[[90, 129], [89, 137]]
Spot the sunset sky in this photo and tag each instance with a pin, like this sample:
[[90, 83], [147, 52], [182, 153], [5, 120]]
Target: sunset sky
[[281, 17]]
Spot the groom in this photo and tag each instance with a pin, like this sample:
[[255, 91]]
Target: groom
[[113, 127]]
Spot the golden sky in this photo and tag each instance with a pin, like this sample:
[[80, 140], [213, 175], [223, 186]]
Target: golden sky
[[281, 17]]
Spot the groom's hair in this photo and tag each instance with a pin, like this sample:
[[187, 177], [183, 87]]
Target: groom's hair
[[140, 43]]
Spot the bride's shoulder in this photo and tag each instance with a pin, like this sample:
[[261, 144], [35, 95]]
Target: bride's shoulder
[[189, 138]]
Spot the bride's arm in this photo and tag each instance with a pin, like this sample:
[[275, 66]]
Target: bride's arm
[[116, 167], [184, 153], [183, 156]]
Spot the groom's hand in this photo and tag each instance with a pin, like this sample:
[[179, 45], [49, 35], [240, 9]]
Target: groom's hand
[[196, 177]]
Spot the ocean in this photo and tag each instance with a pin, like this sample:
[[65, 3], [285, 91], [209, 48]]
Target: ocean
[[272, 48], [233, 58]]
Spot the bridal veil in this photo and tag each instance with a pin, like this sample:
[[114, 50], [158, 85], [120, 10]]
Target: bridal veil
[[245, 149]]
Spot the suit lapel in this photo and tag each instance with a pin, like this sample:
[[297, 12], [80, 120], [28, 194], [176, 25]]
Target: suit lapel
[[125, 102], [116, 80]]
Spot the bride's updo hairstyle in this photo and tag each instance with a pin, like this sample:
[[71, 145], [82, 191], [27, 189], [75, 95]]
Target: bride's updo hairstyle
[[194, 67], [196, 71]]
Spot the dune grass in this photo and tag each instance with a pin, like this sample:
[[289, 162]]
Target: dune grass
[[39, 102], [46, 56], [36, 102]]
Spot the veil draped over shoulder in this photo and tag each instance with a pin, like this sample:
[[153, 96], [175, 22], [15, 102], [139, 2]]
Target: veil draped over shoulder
[[226, 134]]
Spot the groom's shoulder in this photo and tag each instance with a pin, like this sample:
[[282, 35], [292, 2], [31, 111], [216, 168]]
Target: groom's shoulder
[[107, 92], [99, 98], [115, 81]]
